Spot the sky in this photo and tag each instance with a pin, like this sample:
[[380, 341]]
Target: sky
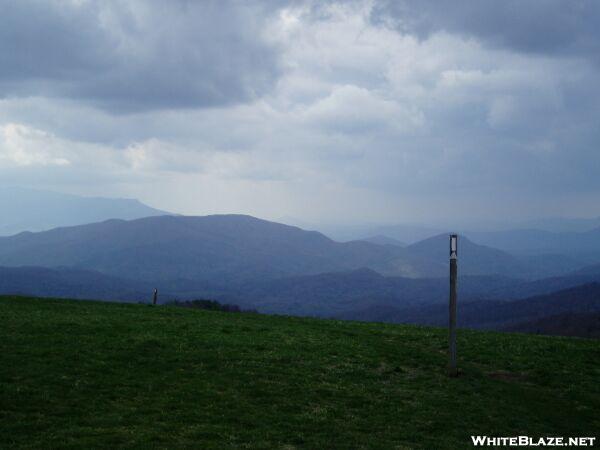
[[374, 111]]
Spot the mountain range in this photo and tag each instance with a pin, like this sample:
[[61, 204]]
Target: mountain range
[[411, 233], [225, 249], [533, 241], [70, 283], [36, 210], [516, 315], [283, 269], [215, 249]]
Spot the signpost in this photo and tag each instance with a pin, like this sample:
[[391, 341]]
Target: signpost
[[452, 371]]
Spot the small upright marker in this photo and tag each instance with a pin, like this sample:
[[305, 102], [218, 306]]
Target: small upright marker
[[452, 370]]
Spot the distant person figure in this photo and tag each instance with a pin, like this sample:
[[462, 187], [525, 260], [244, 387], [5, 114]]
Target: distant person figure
[[155, 296]]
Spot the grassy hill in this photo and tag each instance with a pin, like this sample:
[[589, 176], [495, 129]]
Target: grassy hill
[[104, 375]]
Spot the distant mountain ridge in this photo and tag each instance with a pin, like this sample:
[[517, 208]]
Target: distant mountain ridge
[[330, 294], [225, 249], [215, 249], [36, 210], [540, 241], [384, 240], [474, 259], [579, 300], [563, 224], [70, 283]]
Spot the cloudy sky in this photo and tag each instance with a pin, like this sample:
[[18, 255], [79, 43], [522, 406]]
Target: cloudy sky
[[370, 111]]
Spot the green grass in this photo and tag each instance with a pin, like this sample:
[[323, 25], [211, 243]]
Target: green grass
[[79, 374]]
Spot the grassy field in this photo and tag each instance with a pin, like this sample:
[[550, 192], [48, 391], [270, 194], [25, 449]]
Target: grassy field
[[77, 374]]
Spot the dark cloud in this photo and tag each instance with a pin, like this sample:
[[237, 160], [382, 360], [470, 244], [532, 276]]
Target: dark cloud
[[535, 26], [131, 56]]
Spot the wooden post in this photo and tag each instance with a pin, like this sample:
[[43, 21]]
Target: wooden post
[[452, 370], [155, 296]]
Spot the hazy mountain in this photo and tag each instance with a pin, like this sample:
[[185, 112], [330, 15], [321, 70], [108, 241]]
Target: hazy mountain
[[225, 249], [215, 249], [474, 259], [403, 232], [35, 210], [70, 283], [563, 224], [550, 265], [384, 240], [324, 294], [406, 233], [582, 300], [511, 235], [329, 294], [592, 270], [578, 244], [541, 287], [517, 241]]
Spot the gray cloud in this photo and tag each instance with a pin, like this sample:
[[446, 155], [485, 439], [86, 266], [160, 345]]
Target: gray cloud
[[137, 55], [534, 26]]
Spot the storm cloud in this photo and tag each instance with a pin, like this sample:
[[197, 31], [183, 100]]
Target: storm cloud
[[137, 55], [551, 27], [328, 111]]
